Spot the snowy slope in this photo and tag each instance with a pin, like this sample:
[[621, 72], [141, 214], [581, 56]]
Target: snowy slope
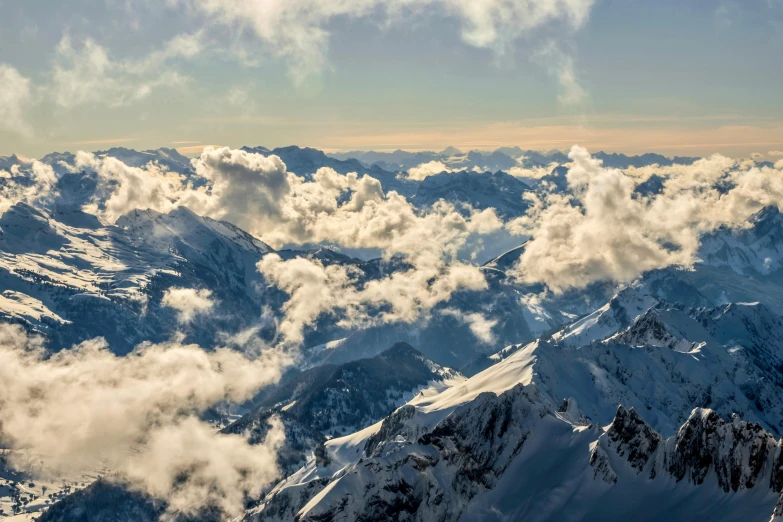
[[516, 456], [481, 190], [755, 250], [336, 399], [468, 450], [81, 280]]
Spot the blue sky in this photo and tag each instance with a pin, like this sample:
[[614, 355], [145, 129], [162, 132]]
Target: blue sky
[[678, 77]]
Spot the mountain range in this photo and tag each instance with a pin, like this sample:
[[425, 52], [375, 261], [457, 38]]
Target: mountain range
[[660, 398]]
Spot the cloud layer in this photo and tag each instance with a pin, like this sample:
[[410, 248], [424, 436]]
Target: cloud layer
[[605, 231], [137, 415]]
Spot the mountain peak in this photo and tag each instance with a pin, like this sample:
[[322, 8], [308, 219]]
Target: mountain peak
[[450, 151]]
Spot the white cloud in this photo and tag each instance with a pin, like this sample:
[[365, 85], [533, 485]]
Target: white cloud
[[85, 407], [220, 470], [247, 186], [39, 190], [425, 170], [298, 30], [606, 232], [258, 194], [89, 75], [406, 297], [775, 153], [561, 67], [188, 302], [480, 325], [532, 174], [123, 188], [15, 96]]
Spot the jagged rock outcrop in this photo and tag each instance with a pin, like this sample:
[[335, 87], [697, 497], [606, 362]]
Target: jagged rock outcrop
[[632, 438], [737, 452]]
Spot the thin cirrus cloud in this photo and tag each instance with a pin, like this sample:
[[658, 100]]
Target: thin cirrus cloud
[[298, 30], [86, 73]]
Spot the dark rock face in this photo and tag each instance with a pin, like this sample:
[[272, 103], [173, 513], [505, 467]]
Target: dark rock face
[[707, 442], [391, 426], [631, 437], [107, 501], [300, 440], [777, 513], [483, 438], [776, 480], [336, 398], [737, 452]]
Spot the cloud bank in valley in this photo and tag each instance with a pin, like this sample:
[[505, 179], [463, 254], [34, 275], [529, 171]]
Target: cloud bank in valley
[[137, 415]]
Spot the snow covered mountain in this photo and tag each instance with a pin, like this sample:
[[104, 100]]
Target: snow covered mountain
[[461, 453], [481, 190], [472, 461], [700, 384], [67, 276], [337, 399], [503, 158], [692, 357]]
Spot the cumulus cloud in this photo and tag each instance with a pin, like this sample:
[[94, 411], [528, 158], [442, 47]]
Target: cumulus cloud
[[137, 415], [188, 302], [123, 188], [298, 30], [605, 231], [408, 296], [248, 187], [425, 170], [775, 153], [35, 184], [15, 95], [258, 194]]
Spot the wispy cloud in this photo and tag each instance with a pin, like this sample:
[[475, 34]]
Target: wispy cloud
[[15, 96], [299, 30], [87, 74]]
